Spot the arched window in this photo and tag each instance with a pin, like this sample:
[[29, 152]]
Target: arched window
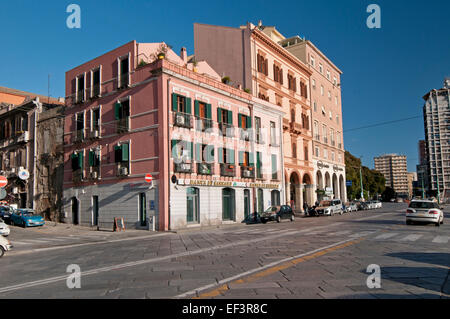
[[193, 202]]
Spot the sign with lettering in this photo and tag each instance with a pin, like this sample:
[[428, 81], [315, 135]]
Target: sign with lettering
[[194, 182]]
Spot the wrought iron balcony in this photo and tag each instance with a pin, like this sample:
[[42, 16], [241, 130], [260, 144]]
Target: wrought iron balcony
[[205, 168], [247, 172], [246, 134], [183, 167], [203, 124], [182, 120], [226, 129], [227, 170]]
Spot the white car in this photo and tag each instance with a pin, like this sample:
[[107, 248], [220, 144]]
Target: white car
[[4, 229], [330, 207], [5, 245], [424, 211]]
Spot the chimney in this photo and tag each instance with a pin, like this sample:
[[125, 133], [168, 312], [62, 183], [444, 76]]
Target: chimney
[[183, 55]]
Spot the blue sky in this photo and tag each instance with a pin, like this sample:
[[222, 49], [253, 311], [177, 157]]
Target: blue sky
[[386, 71]]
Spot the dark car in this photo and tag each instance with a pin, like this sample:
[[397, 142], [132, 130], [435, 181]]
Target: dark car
[[277, 213], [6, 212]]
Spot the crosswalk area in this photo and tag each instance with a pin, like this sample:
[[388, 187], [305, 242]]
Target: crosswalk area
[[57, 240], [370, 234]]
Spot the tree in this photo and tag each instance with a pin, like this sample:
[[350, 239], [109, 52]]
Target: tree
[[373, 181], [388, 194]]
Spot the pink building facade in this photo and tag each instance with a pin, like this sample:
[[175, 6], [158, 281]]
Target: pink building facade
[[130, 113]]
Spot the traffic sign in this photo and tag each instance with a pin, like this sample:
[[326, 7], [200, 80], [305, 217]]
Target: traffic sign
[[349, 183], [148, 178], [24, 174], [2, 193], [3, 181]]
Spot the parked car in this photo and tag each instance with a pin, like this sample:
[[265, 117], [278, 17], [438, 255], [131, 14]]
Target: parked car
[[362, 205], [424, 211], [4, 229], [5, 245], [26, 218], [277, 213], [5, 213], [378, 204], [330, 207], [351, 207]]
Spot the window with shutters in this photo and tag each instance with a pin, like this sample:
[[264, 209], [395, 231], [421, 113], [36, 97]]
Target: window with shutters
[[262, 64], [292, 83], [294, 150], [259, 167], [274, 167], [273, 134], [204, 156], [95, 82], [95, 120], [258, 132], [94, 156], [122, 158], [77, 160], [202, 112], [182, 154], [246, 162], [225, 119], [227, 162], [182, 109], [122, 115], [306, 153], [245, 125], [124, 72], [80, 89], [79, 129], [277, 74]]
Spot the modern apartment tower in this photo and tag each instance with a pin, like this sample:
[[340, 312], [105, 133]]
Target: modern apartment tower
[[422, 169], [436, 113], [394, 169]]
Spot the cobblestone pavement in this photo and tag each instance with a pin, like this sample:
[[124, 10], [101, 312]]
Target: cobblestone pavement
[[324, 257]]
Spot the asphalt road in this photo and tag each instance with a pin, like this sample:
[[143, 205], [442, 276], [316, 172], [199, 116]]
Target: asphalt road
[[324, 257]]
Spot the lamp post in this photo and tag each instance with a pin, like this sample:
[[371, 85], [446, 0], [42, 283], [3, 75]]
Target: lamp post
[[360, 176]]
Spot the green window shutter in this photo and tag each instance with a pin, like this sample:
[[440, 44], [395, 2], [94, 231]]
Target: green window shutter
[[191, 150], [210, 153], [241, 157], [274, 164], [188, 105], [240, 120], [249, 122], [230, 117], [125, 152], [117, 110], [74, 158], [196, 108], [258, 160], [220, 160], [174, 102], [80, 160], [91, 158], [198, 152], [219, 115], [174, 149], [117, 153], [208, 111], [231, 159], [251, 159]]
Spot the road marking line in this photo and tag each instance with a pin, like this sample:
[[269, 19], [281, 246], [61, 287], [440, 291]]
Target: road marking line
[[339, 233], [441, 239], [362, 234], [34, 241], [266, 270], [412, 237], [386, 236]]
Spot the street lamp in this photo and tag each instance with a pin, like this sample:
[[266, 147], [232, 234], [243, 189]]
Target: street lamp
[[360, 176]]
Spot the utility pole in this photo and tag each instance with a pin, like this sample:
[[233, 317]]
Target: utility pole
[[439, 194]]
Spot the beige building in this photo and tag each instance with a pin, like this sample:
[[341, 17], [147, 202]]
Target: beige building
[[394, 169], [253, 59], [326, 111], [412, 177]]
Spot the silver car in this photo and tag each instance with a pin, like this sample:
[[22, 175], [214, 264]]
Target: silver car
[[424, 211], [330, 207]]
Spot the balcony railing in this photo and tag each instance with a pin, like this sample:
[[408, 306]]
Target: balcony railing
[[205, 168], [246, 134], [123, 125], [247, 172], [182, 120], [96, 90], [124, 80], [79, 135], [203, 124], [227, 170], [183, 167], [226, 129], [79, 96]]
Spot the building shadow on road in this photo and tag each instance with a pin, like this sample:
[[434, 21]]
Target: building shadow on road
[[379, 222]]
